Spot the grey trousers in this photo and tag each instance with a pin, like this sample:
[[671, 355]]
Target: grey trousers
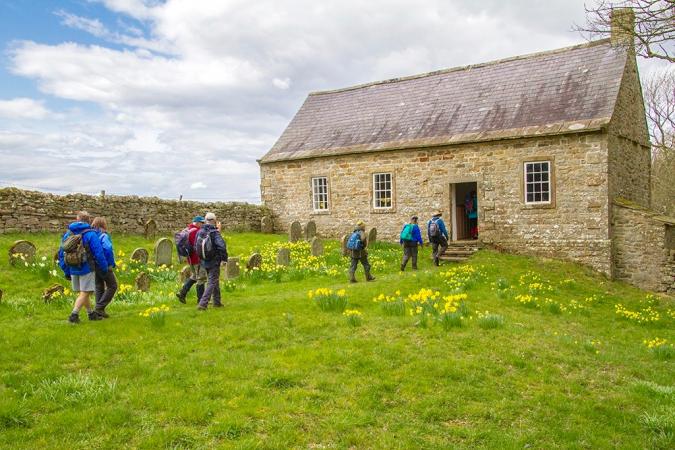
[[106, 286], [364, 261], [212, 287], [438, 247], [409, 252]]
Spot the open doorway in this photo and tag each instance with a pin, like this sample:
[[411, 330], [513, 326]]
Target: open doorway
[[464, 204]]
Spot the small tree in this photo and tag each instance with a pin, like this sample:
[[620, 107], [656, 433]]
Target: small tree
[[653, 30]]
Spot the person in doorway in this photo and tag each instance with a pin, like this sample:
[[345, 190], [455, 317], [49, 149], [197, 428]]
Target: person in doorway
[[438, 236], [80, 255], [357, 245], [197, 272], [411, 236], [212, 251], [106, 284], [471, 208]]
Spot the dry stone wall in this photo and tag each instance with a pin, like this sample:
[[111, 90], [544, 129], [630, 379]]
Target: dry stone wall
[[31, 211]]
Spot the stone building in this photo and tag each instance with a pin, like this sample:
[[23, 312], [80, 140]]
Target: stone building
[[553, 143]]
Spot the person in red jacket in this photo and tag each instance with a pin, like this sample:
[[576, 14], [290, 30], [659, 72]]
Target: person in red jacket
[[197, 272]]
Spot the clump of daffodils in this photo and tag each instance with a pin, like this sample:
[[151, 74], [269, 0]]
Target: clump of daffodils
[[156, 314], [354, 317], [660, 348], [329, 300], [643, 316]]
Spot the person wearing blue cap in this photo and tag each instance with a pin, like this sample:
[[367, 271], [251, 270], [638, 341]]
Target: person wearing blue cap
[[197, 272]]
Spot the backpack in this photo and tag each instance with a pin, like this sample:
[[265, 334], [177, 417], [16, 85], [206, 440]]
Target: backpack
[[74, 253], [204, 246], [434, 229], [355, 242], [406, 233], [182, 239]]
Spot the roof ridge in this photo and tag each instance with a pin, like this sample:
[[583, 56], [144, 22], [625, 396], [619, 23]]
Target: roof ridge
[[466, 67]]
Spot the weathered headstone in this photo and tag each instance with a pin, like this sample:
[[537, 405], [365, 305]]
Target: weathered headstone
[[310, 230], [295, 232], [51, 292], [163, 252], [317, 246], [267, 225], [21, 251], [283, 256], [185, 273], [345, 250], [142, 282], [140, 255], [255, 260], [372, 235], [232, 268], [150, 229]]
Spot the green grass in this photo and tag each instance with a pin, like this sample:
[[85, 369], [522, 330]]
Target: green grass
[[271, 370]]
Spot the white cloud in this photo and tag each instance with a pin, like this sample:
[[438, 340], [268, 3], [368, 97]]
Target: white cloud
[[282, 83], [198, 185], [23, 108]]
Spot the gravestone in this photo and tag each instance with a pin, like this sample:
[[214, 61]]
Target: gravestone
[[310, 230], [163, 252], [267, 225], [142, 282], [232, 268], [372, 235], [51, 292], [295, 232], [0, 295], [317, 246], [150, 229], [284, 257], [140, 255], [255, 260], [343, 241], [185, 273], [19, 249]]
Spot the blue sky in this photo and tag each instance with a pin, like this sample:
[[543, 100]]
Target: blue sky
[[180, 97]]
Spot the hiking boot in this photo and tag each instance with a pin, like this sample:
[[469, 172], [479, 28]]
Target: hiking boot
[[370, 278], [181, 296], [102, 313], [218, 305], [74, 318], [201, 308], [94, 316], [352, 278]]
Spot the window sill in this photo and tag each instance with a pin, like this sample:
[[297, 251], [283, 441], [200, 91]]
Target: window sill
[[391, 210], [539, 205], [320, 213]]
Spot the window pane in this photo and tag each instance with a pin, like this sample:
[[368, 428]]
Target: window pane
[[537, 197], [544, 176], [530, 177], [544, 196], [537, 177], [536, 167], [530, 197]]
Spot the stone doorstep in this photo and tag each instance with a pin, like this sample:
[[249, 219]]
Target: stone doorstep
[[454, 258]]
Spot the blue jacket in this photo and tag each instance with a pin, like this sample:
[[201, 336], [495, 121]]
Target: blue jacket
[[416, 234], [92, 243], [218, 245], [107, 245], [441, 227]]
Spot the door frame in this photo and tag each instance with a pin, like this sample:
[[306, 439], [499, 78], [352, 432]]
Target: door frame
[[453, 201]]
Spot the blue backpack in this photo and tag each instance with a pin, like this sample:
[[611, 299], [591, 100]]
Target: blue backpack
[[355, 242]]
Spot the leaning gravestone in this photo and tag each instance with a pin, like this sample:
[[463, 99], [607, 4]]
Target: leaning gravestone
[[317, 246], [51, 292], [310, 230], [266, 225], [345, 250], [185, 273], [283, 257], [19, 249], [140, 255], [163, 252], [232, 268], [142, 282], [254, 261], [295, 232], [150, 228], [372, 235]]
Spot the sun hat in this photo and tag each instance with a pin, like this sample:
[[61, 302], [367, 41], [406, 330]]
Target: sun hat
[[360, 223], [198, 219], [210, 216], [438, 213]]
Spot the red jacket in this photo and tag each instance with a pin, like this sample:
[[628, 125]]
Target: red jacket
[[192, 237]]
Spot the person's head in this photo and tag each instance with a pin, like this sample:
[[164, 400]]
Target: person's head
[[210, 218], [413, 219], [100, 223], [198, 221], [438, 213], [83, 216], [361, 225]]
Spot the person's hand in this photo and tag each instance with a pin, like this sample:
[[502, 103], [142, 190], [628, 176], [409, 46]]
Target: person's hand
[[69, 278], [218, 226]]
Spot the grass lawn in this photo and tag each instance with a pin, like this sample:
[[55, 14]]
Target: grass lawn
[[512, 352]]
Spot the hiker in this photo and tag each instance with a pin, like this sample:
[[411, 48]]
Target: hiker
[[438, 236], [211, 249], [197, 272], [106, 284], [357, 244], [411, 236], [471, 208], [80, 255]]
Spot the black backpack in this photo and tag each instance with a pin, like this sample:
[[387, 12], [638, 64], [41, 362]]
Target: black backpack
[[204, 246], [182, 240]]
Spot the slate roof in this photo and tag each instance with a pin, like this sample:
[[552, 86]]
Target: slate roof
[[567, 90]]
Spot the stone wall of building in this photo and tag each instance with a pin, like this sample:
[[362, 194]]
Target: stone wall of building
[[574, 227], [644, 247], [31, 211]]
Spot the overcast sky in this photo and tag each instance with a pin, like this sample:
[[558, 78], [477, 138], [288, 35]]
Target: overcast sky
[[181, 97]]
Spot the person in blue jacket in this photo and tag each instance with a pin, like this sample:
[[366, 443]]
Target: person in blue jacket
[[212, 264], [79, 266], [411, 236], [438, 236], [106, 285]]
